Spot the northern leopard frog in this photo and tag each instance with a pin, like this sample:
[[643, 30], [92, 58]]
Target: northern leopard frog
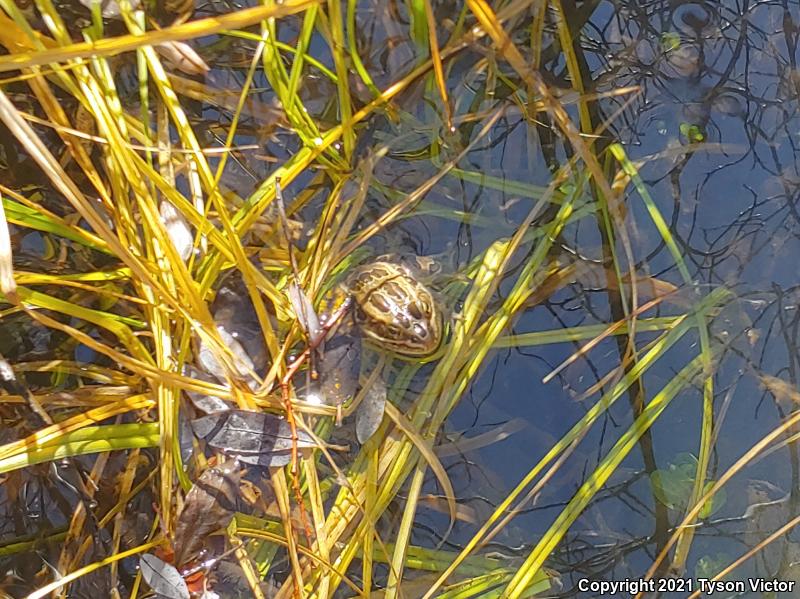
[[394, 310]]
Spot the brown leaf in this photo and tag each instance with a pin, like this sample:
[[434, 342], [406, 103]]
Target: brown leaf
[[208, 507], [255, 438], [780, 389], [183, 57]]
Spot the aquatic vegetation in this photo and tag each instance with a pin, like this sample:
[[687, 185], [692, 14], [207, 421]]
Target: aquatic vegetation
[[188, 186]]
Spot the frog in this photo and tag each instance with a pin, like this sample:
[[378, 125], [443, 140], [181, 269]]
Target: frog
[[394, 310]]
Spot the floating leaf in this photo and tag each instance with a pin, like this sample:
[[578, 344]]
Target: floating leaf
[[255, 438], [164, 579], [370, 413], [692, 133], [670, 41]]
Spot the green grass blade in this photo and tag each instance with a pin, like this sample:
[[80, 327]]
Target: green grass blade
[[87, 441]]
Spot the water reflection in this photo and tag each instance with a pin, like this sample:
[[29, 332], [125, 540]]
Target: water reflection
[[715, 128]]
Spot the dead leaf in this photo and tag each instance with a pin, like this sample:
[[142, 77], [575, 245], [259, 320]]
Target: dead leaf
[[254, 438]]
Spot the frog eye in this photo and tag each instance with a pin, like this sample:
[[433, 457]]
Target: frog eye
[[426, 307]]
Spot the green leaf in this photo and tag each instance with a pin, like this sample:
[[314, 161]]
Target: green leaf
[[709, 566], [670, 41], [673, 485], [692, 133]]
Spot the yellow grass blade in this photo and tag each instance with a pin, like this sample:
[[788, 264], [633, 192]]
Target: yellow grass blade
[[116, 45]]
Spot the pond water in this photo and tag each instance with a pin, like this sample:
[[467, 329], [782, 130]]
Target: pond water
[[715, 126]]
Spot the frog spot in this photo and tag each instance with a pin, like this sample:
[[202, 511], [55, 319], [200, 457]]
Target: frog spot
[[380, 302], [414, 310], [393, 289]]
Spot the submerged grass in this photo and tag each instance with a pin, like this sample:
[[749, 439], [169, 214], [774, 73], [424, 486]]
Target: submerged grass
[[164, 226]]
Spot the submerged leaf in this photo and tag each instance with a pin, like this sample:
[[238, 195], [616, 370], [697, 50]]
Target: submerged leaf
[[164, 579], [234, 311], [339, 368], [178, 229], [208, 359], [673, 486], [709, 566], [183, 57], [208, 404], [8, 286], [781, 390], [370, 413], [209, 506], [110, 9], [254, 437]]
